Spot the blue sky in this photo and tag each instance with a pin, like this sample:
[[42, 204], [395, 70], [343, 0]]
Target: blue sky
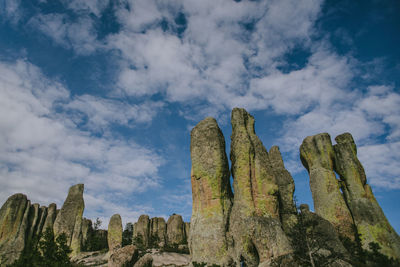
[[106, 93]]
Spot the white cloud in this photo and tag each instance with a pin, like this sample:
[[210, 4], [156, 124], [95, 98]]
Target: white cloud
[[43, 152]]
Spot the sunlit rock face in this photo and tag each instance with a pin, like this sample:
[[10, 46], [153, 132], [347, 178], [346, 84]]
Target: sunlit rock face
[[254, 221], [69, 219], [114, 234], [158, 231], [370, 221], [287, 208], [317, 155], [141, 230], [211, 192], [14, 223]]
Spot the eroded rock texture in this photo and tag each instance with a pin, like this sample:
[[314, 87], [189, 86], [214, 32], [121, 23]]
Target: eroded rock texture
[[211, 192], [51, 217], [87, 230], [125, 256], [158, 233], [176, 230], [69, 219], [141, 231], [14, 223], [317, 155], [254, 221], [323, 240], [369, 218], [114, 235], [287, 208]]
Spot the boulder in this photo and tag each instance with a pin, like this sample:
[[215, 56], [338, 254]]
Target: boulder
[[145, 261], [212, 196], [317, 156], [158, 232], [370, 221], [161, 259], [14, 224], [114, 236], [175, 230], [141, 232], [254, 222], [69, 218], [287, 207], [125, 256]]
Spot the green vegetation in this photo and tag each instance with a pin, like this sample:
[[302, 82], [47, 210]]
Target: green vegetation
[[97, 238], [127, 235], [49, 251]]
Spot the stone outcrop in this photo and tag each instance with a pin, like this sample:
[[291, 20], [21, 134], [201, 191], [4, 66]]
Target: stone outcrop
[[125, 256], [69, 219], [370, 221], [287, 208], [317, 156], [51, 217], [211, 192], [161, 259], [13, 227], [141, 231], [87, 231], [114, 236], [187, 230], [323, 239], [176, 230], [254, 222], [158, 231]]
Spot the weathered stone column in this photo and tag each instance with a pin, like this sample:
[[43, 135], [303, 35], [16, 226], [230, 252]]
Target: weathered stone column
[[369, 218], [141, 231], [69, 219], [254, 221], [212, 195], [175, 230], [284, 179], [158, 231], [317, 156], [13, 227], [114, 234]]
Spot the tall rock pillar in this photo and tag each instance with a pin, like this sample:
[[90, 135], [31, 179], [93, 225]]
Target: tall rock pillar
[[114, 234], [254, 221], [369, 218], [211, 192], [317, 156], [284, 179], [14, 224], [69, 219]]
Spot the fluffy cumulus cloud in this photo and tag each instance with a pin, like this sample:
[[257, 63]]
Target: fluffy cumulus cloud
[[42, 149]]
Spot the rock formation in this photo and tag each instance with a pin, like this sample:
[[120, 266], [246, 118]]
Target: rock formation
[[87, 231], [33, 220], [158, 232], [211, 192], [141, 231], [287, 208], [114, 236], [69, 219], [176, 230], [13, 227], [125, 256], [254, 221], [51, 217], [317, 156], [322, 238], [369, 218]]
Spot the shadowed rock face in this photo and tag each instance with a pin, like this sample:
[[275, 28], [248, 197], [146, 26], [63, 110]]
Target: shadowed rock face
[[369, 218], [287, 208], [158, 231], [317, 156], [69, 219], [141, 230], [324, 238], [114, 236], [87, 230], [14, 223], [211, 192], [254, 221], [176, 230]]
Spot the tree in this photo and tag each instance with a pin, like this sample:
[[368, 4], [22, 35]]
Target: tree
[[48, 252], [127, 234]]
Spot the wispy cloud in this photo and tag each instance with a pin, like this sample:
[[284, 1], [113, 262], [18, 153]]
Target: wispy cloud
[[43, 152]]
